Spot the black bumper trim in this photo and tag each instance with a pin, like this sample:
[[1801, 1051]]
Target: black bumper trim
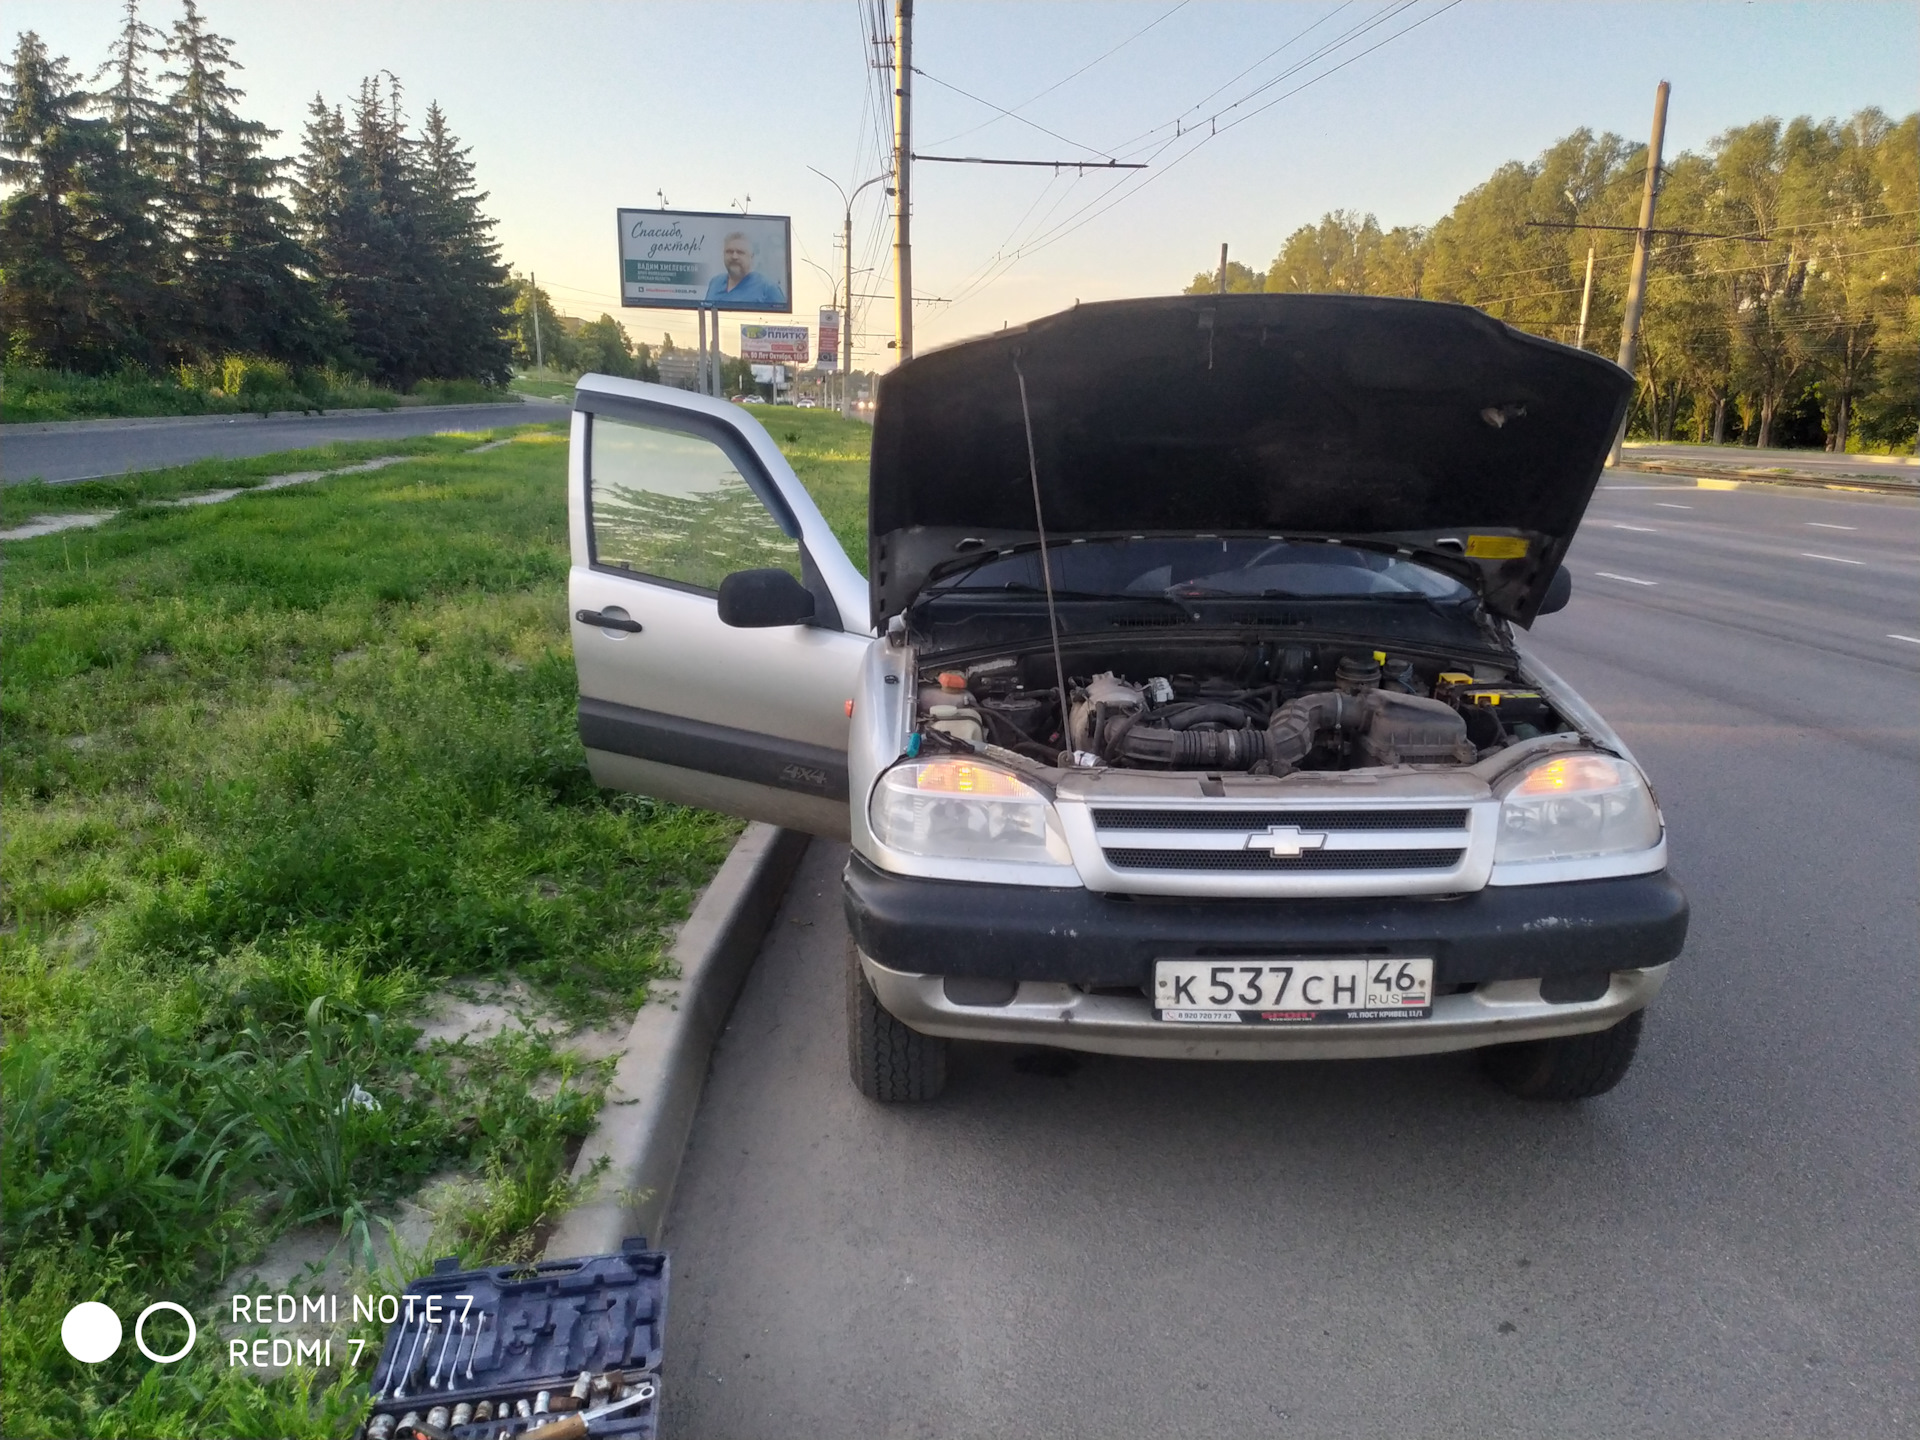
[[947, 927]]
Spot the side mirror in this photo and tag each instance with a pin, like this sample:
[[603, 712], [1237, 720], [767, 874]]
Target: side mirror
[[759, 599], [1559, 591]]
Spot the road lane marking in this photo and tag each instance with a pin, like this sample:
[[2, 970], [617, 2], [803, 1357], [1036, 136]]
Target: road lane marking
[[1609, 575], [1837, 559], [1824, 525], [1908, 638], [1673, 505], [1643, 529]]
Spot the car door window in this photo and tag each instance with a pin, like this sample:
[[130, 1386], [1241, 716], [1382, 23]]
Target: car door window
[[671, 505]]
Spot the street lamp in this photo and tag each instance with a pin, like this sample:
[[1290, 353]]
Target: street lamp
[[846, 236]]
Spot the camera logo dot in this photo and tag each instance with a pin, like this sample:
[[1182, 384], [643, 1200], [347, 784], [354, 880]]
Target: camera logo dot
[[91, 1332]]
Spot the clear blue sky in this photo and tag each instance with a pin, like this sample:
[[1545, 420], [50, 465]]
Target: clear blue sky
[[575, 107]]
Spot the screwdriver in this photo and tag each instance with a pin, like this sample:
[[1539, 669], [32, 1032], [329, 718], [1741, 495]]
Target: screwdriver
[[574, 1427]]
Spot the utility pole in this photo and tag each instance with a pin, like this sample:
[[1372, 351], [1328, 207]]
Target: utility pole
[[539, 352], [1586, 299], [902, 187], [1223, 267], [1637, 281]]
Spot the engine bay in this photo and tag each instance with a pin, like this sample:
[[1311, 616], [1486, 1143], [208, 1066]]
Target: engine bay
[[1254, 707]]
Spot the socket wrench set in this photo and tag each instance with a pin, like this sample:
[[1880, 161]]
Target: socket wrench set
[[550, 1351]]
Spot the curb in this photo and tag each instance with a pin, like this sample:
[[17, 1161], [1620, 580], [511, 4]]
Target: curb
[[647, 1115], [1859, 484]]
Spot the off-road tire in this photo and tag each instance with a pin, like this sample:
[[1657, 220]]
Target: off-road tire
[[1570, 1067], [889, 1062]]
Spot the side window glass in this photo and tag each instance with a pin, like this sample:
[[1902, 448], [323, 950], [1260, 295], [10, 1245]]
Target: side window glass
[[673, 505]]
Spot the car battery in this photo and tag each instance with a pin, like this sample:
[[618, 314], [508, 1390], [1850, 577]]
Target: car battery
[[495, 1353], [1514, 704]]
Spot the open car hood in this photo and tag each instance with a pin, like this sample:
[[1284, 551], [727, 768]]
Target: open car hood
[[1433, 428]]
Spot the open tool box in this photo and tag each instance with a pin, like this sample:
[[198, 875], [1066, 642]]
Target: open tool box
[[492, 1354]]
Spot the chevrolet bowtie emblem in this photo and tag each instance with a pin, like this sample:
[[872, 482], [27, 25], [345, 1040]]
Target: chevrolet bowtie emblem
[[1285, 841]]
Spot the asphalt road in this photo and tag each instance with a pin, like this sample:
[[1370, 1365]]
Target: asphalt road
[[1812, 462], [88, 449], [1723, 1247]]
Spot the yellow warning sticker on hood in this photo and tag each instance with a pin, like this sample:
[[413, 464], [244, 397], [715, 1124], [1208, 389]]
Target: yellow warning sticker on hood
[[1497, 547]]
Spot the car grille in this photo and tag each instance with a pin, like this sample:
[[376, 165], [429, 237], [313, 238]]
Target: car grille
[[1252, 821], [1226, 841], [1256, 860]]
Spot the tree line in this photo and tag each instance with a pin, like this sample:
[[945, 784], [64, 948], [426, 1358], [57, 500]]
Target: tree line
[[1791, 316], [148, 224]]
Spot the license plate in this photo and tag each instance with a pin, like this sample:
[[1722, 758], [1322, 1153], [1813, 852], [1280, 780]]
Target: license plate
[[1291, 990]]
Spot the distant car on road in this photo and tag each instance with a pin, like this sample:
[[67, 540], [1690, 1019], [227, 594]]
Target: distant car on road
[[1191, 721]]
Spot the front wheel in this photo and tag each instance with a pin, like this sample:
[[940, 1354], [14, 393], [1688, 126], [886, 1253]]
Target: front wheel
[[1568, 1067], [889, 1062]]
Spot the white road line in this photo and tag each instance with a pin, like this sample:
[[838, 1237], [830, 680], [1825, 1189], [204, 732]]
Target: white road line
[[1837, 559], [1825, 526], [1673, 505], [1643, 529], [1908, 638], [1609, 575]]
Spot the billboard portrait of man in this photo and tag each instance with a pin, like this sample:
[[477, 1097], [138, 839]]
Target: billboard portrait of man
[[739, 286]]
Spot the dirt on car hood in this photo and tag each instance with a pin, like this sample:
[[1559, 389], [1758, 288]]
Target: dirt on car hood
[[1432, 428]]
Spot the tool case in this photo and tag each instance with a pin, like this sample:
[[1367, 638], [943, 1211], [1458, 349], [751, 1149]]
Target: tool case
[[525, 1330]]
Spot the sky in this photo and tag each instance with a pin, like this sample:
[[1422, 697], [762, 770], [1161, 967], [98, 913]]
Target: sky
[[577, 107]]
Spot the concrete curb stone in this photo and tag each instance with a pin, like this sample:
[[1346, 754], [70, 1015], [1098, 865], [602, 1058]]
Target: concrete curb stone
[[648, 1113]]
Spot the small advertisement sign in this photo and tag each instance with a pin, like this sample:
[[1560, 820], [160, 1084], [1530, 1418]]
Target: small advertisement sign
[[692, 260], [774, 344], [829, 349]]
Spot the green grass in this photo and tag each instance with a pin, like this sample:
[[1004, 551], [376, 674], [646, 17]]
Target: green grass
[[235, 386], [545, 384], [274, 771], [29, 394], [829, 454], [22, 501]]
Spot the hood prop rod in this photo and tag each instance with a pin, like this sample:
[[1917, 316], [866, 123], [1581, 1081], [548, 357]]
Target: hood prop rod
[[1046, 564]]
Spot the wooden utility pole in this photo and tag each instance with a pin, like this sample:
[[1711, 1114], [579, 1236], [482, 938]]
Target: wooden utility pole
[[1223, 267], [902, 172], [1586, 300], [1637, 281]]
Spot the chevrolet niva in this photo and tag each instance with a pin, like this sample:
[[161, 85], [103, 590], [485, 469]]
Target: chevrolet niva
[[1182, 710]]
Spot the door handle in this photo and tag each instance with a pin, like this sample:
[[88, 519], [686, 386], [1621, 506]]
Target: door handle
[[606, 621]]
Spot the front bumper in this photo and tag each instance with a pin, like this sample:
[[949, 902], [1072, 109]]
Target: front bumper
[[1046, 1013], [1085, 938]]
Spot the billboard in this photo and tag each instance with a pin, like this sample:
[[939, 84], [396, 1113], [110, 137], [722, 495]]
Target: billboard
[[774, 344], [829, 339], [691, 260]]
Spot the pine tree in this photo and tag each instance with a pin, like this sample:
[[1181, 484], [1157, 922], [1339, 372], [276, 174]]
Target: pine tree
[[468, 294], [57, 161], [245, 284], [138, 264]]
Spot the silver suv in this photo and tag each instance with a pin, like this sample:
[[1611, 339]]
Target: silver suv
[[1182, 713]]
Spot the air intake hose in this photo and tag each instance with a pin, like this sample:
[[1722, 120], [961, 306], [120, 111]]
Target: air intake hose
[[1289, 736]]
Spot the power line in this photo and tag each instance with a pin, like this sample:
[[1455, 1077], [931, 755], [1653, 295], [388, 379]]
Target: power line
[[1032, 124], [1075, 75]]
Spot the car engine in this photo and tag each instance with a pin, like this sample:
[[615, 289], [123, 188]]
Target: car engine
[[1259, 709]]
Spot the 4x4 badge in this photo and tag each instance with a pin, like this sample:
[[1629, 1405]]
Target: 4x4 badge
[[1285, 841]]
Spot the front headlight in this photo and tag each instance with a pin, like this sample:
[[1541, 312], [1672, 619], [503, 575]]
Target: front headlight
[[1575, 806], [954, 809]]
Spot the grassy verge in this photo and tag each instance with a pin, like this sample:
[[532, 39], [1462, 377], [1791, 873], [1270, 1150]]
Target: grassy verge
[[118, 492], [236, 386], [544, 384], [829, 455], [274, 771]]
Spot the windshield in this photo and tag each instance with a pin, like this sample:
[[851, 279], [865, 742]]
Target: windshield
[[1191, 568]]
